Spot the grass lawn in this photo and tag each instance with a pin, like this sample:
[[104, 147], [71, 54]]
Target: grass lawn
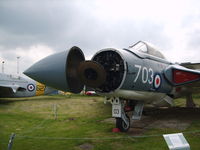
[[79, 125]]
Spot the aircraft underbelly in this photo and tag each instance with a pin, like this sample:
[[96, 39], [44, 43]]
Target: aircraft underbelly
[[157, 99]]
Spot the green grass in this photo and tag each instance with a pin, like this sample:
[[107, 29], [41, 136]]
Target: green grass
[[33, 122]]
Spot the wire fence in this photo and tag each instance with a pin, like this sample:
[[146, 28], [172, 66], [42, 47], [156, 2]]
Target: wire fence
[[13, 135], [53, 114], [99, 138]]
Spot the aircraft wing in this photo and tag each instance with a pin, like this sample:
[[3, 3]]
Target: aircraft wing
[[195, 66], [185, 78], [195, 86]]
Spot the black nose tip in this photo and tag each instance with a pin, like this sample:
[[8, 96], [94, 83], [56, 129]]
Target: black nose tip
[[92, 74]]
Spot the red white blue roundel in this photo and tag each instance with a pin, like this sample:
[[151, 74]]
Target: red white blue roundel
[[31, 87], [157, 81]]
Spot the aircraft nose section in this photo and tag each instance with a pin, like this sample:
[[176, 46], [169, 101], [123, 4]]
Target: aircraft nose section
[[47, 71], [38, 72], [59, 70], [30, 72]]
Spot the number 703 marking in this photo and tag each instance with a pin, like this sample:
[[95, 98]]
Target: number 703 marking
[[147, 74]]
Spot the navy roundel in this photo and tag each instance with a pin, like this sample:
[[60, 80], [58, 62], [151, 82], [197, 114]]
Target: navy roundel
[[31, 87], [157, 81]]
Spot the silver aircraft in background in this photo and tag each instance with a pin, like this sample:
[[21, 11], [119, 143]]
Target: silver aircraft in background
[[129, 77], [17, 86]]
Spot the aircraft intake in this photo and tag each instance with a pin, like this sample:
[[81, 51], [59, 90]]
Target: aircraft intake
[[104, 73]]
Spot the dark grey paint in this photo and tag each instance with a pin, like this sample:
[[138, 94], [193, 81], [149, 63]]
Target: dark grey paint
[[57, 71]]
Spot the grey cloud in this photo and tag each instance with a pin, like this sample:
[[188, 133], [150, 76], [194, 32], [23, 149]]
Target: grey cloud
[[61, 25], [122, 34], [32, 22]]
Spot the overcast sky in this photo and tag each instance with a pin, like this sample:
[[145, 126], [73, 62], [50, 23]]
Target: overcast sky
[[33, 29]]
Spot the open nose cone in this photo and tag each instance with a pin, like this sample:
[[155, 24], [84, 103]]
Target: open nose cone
[[34, 73], [59, 70], [50, 71], [38, 71]]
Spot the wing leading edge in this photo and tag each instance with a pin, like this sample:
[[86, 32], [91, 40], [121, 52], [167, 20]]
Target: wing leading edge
[[186, 81]]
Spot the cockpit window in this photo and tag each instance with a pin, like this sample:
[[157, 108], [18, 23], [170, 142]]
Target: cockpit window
[[146, 48], [139, 47]]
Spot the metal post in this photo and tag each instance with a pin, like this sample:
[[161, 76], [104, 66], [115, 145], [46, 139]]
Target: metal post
[[3, 66], [18, 57], [10, 143], [189, 101], [55, 111]]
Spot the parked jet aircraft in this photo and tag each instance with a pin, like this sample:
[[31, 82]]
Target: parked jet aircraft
[[129, 77], [16, 86]]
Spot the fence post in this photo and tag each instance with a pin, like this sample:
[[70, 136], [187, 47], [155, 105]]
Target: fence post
[[10, 143], [55, 111]]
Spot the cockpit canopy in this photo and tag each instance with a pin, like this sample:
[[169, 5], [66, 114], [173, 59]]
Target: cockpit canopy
[[144, 47]]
